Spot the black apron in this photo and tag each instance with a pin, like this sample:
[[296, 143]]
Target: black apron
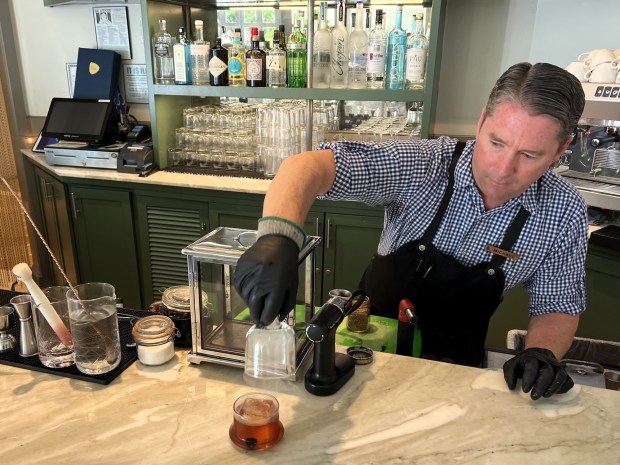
[[453, 303]]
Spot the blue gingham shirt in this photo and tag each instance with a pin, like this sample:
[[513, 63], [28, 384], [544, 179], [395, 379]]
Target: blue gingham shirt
[[409, 178]]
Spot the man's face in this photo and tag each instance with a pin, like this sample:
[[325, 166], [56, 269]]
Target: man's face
[[513, 149]]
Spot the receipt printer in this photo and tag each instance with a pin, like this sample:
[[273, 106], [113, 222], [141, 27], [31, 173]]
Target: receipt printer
[[135, 158]]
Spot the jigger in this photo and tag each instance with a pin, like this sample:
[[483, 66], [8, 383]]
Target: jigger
[[27, 339]]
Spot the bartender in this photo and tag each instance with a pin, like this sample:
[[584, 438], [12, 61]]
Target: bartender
[[464, 222]]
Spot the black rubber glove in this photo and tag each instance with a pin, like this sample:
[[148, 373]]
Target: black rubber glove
[[266, 278], [540, 372]]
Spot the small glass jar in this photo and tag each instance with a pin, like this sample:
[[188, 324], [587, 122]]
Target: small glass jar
[[154, 336], [358, 320]]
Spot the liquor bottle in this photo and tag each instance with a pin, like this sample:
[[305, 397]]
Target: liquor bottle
[[339, 52], [396, 52], [236, 62], [182, 59], [255, 65], [282, 37], [218, 64], [163, 62], [276, 64], [226, 38], [199, 51], [377, 42], [417, 51], [296, 57], [321, 56], [358, 50]]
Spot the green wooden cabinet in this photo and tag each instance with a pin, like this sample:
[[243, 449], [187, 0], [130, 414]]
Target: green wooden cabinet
[[601, 319], [56, 229], [165, 225], [349, 243], [105, 240], [243, 213]]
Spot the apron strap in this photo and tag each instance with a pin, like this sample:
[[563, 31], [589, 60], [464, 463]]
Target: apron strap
[[511, 236], [429, 234]]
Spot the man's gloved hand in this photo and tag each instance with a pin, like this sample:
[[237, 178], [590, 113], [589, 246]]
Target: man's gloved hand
[[266, 278], [540, 371]]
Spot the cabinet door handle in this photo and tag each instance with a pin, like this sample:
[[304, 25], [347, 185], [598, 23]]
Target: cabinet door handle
[[48, 194], [328, 272], [316, 221], [74, 209], [328, 238]]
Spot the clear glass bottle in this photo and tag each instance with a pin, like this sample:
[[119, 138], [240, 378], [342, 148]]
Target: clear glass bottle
[[199, 51], [377, 42], [321, 55], [218, 64], [396, 52], [255, 65], [182, 59], [417, 52], [163, 63], [276, 64], [296, 57], [358, 50], [236, 62], [339, 52]]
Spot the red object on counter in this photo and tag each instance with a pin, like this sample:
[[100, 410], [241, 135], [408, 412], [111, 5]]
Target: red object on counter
[[405, 305]]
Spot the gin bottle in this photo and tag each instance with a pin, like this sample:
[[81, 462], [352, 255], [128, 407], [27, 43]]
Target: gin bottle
[[182, 59], [358, 50], [236, 62], [339, 52], [163, 63], [396, 51], [255, 65], [377, 42], [276, 64], [296, 56], [218, 64], [199, 51], [417, 52], [321, 55]]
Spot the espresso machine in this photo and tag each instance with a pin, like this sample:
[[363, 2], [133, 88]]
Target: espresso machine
[[592, 161]]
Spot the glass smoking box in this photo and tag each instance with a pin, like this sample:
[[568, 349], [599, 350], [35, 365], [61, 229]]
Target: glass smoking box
[[219, 316]]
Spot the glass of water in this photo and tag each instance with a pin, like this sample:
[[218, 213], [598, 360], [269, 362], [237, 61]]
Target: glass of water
[[94, 327]]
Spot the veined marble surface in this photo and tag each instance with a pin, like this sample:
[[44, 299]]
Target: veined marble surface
[[397, 410], [164, 178]]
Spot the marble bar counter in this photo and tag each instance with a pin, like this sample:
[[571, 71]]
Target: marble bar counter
[[163, 178], [397, 410]]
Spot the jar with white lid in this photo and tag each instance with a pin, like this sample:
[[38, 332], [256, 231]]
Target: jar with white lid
[[154, 336]]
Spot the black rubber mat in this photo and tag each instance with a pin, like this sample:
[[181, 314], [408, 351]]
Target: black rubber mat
[[128, 354]]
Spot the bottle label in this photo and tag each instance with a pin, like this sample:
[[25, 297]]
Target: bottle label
[[416, 61], [276, 62], [254, 69], [180, 69], [339, 60], [162, 49], [376, 58], [217, 66], [235, 66], [199, 49]]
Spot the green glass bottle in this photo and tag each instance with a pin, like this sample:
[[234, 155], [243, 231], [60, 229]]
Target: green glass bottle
[[296, 57]]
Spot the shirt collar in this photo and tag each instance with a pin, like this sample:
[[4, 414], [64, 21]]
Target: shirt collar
[[463, 179]]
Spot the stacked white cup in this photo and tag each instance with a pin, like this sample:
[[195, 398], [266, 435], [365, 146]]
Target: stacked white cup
[[600, 65]]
